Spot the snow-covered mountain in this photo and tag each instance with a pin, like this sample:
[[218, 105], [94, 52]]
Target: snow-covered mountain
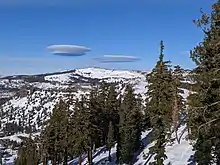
[[33, 96], [29, 99]]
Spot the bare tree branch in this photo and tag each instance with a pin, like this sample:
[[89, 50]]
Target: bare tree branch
[[211, 121]]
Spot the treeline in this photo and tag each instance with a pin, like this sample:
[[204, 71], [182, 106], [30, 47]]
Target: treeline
[[106, 117]]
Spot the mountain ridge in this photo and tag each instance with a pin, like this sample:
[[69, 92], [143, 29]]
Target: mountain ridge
[[29, 100]]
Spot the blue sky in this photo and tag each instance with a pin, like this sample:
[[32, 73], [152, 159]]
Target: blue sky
[[127, 27]]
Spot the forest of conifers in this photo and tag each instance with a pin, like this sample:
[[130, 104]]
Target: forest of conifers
[[106, 117]]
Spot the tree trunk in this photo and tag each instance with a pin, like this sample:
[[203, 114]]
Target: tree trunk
[[90, 156], [54, 159], [65, 157], [109, 156], [58, 159], [175, 114], [218, 160], [44, 160], [177, 138], [71, 157], [80, 159]]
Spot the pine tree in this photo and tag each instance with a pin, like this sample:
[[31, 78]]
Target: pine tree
[[160, 105], [110, 140], [28, 153], [130, 127], [93, 120], [31, 152], [54, 142], [121, 121], [79, 133], [22, 160], [112, 107], [204, 101], [43, 147], [102, 106], [178, 100]]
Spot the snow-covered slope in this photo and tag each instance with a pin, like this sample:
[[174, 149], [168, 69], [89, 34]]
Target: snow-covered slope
[[178, 154], [33, 97], [29, 99]]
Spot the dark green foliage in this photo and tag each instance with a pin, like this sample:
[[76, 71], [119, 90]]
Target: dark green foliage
[[112, 107], [204, 101], [74, 133], [160, 105], [203, 151], [130, 127], [179, 109], [94, 118], [22, 160], [146, 117], [54, 136], [28, 153], [110, 140], [79, 136], [102, 106]]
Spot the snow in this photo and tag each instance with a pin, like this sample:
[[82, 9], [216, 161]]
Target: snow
[[17, 137], [9, 160], [44, 85], [178, 154], [108, 73], [41, 102], [58, 78]]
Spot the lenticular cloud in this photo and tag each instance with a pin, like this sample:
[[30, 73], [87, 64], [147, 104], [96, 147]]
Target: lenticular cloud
[[116, 58], [68, 50]]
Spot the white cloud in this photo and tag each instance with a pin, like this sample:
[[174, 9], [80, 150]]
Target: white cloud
[[116, 58], [68, 50]]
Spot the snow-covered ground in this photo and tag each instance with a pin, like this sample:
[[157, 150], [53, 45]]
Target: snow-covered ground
[[178, 154], [38, 105]]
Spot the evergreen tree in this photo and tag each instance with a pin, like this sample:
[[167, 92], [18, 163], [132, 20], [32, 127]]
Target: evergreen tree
[[31, 152], [93, 120], [79, 136], [22, 160], [121, 121], [112, 107], [130, 127], [160, 105], [204, 101], [110, 140], [28, 153], [178, 100], [55, 133], [102, 106]]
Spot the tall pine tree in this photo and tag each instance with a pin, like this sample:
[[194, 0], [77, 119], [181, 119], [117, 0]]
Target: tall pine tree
[[112, 107], [54, 135], [204, 101], [130, 127], [160, 105], [79, 134]]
